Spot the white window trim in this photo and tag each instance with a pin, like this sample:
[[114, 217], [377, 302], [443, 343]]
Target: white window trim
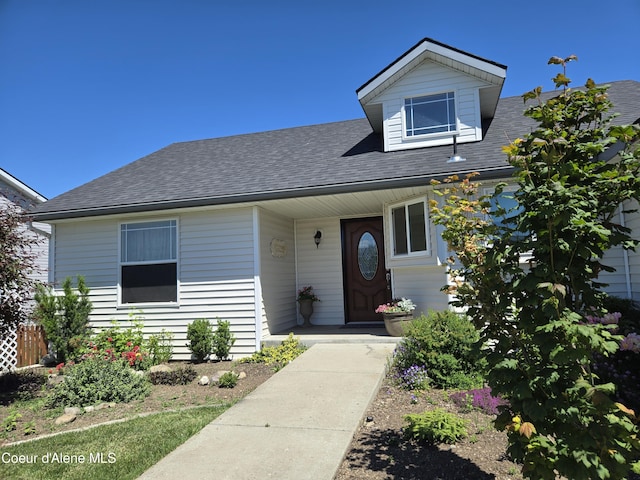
[[409, 254], [429, 136], [148, 305]]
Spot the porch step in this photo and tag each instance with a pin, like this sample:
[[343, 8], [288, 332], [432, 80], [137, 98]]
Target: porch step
[[308, 336]]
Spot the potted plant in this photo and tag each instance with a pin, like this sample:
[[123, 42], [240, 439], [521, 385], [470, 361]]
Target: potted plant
[[306, 298], [396, 314]]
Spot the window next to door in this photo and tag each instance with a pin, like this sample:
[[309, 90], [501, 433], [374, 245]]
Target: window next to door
[[148, 262], [409, 228]]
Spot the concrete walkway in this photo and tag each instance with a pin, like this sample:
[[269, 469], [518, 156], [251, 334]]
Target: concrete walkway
[[297, 425]]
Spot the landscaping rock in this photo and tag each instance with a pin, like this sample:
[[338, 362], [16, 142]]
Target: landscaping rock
[[49, 360], [216, 376], [73, 410], [89, 408], [163, 367], [102, 406], [64, 419], [242, 375], [204, 380]]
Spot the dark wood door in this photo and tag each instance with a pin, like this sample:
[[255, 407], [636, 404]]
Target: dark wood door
[[365, 276]]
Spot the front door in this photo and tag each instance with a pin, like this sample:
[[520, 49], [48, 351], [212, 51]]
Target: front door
[[365, 278]]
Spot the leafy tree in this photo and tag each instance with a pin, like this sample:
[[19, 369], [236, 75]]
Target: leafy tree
[[17, 263], [540, 344], [65, 317]]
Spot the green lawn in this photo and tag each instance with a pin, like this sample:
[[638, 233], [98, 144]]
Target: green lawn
[[123, 450]]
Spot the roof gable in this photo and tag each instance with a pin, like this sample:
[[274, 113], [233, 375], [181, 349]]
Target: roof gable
[[18, 192], [428, 50]]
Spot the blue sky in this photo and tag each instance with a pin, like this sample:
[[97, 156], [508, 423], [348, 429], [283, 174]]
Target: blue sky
[[89, 86]]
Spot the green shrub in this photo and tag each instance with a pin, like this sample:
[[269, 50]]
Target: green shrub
[[223, 340], [180, 376], [443, 343], [228, 380], [160, 347], [279, 356], [65, 318], [23, 385], [115, 343], [200, 338], [10, 422], [99, 380], [435, 426]]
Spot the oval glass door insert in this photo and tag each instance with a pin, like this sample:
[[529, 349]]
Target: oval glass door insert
[[368, 256]]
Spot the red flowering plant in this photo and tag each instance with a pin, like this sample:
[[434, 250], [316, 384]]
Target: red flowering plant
[[115, 343], [136, 358], [306, 293], [60, 368]]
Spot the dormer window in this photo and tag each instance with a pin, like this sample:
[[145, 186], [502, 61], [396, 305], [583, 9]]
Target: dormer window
[[430, 114]]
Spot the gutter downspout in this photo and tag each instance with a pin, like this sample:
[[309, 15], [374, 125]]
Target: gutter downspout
[[257, 296]]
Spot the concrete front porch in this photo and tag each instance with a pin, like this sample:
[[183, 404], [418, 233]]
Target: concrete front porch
[[358, 333]]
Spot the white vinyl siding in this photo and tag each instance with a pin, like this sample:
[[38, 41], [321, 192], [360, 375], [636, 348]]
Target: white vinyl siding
[[426, 79], [625, 281], [216, 274], [321, 268], [422, 285], [633, 222], [277, 272]]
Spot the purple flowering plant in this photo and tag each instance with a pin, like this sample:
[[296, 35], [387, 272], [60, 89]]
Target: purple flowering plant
[[479, 398], [413, 378]]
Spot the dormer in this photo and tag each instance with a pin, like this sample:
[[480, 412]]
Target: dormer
[[430, 95]]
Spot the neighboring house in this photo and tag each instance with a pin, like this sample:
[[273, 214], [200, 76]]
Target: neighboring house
[[15, 193], [227, 227]]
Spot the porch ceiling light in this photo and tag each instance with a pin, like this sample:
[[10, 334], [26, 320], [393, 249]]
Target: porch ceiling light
[[317, 237]]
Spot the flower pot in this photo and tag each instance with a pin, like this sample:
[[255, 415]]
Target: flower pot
[[306, 310], [395, 323]]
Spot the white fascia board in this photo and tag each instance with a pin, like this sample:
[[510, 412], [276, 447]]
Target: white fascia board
[[21, 187], [421, 49]]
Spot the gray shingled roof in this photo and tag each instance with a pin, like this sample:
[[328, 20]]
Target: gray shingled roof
[[320, 159]]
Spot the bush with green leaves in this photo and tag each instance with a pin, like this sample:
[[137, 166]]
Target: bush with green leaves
[[435, 426], [223, 340], [116, 342], [228, 380], [200, 336], [118, 339], [562, 418], [160, 346], [65, 317], [278, 356], [442, 343], [179, 376], [98, 380]]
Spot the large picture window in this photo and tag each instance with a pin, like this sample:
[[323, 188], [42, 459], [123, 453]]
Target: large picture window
[[148, 262], [430, 114], [409, 228]]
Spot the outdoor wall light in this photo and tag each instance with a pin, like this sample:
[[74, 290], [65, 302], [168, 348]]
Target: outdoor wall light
[[317, 237]]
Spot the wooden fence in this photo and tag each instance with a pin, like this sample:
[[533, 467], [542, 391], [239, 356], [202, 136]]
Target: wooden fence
[[32, 345]]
